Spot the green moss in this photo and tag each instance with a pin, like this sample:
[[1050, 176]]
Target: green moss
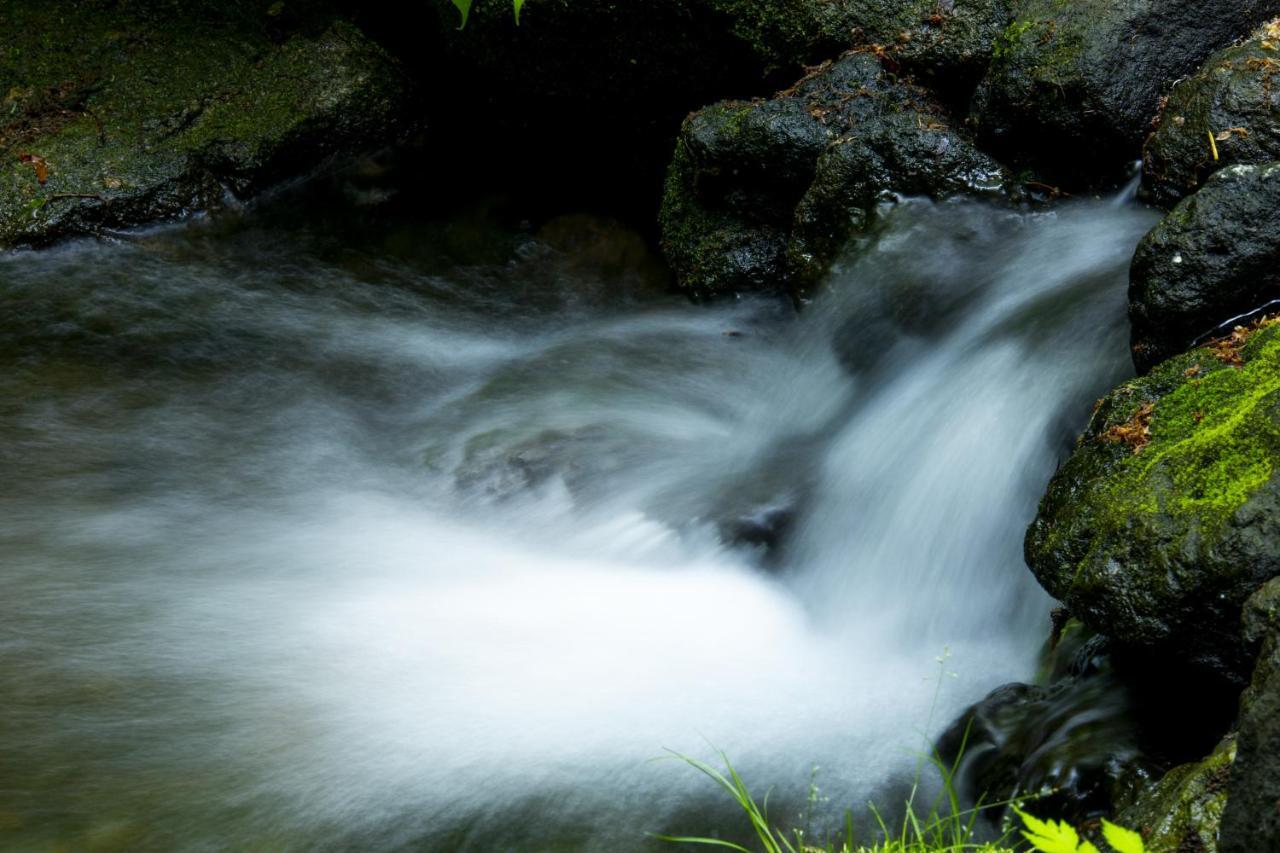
[[144, 112], [1184, 809], [1211, 447], [1160, 547], [1007, 43]]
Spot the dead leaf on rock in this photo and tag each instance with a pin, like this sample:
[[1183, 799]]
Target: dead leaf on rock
[[40, 165], [1136, 432]]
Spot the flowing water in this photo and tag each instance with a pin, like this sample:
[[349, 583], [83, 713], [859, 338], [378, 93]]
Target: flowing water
[[322, 530]]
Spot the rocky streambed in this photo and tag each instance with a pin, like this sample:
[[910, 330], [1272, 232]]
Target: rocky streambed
[[915, 181]]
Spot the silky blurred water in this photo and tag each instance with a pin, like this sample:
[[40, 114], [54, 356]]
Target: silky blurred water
[[419, 535]]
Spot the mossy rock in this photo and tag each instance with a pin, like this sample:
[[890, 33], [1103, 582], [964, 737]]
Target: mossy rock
[[1182, 812], [762, 195], [1252, 820], [950, 49], [1167, 516], [1236, 98], [1075, 83], [136, 114], [1214, 259]]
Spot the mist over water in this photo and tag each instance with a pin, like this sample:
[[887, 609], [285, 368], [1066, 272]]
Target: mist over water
[[313, 540]]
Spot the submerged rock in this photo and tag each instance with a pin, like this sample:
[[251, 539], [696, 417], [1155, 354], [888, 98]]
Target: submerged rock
[[1078, 83], [1182, 811], [1251, 820], [132, 116], [762, 195], [1212, 260], [1236, 98], [1073, 744], [1167, 516]]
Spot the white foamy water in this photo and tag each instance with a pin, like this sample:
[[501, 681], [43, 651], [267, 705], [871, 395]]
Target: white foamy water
[[306, 551]]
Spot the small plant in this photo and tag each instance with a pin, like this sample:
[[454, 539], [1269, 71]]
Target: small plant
[[1050, 836], [464, 9], [937, 831], [944, 828]]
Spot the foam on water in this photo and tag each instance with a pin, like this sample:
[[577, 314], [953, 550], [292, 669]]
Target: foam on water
[[296, 555]]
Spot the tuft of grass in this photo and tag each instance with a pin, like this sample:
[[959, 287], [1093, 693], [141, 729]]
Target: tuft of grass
[[944, 827]]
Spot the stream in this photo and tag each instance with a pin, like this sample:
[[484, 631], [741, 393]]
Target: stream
[[331, 525]]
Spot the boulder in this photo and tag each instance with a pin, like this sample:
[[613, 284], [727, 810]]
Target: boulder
[[1236, 98], [1214, 259], [1183, 810], [950, 49], [1251, 821], [1076, 83], [1167, 515], [134, 115], [762, 195]]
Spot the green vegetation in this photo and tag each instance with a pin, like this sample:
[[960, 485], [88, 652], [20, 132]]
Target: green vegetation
[[1154, 531], [944, 828], [464, 9]]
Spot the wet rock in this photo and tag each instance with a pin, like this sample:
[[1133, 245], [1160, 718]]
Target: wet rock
[[1073, 743], [762, 195], [1251, 820], [1183, 810], [1214, 258], [1167, 515], [950, 49], [135, 114], [1236, 97], [1077, 83]]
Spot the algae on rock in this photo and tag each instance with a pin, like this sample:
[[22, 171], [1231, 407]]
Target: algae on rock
[[139, 116], [1236, 98], [1075, 83], [1167, 516]]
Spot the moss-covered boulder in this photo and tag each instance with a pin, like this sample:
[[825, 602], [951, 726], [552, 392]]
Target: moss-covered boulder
[[1252, 818], [1212, 260], [1236, 98], [1182, 812], [1077, 82], [1167, 515], [120, 114], [762, 195]]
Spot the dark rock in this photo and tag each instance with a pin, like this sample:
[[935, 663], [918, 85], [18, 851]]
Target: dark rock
[[1077, 83], [764, 526], [762, 195], [597, 46], [1167, 516], [1251, 821], [1072, 743], [950, 49], [137, 115], [1212, 260], [1183, 810], [1236, 96]]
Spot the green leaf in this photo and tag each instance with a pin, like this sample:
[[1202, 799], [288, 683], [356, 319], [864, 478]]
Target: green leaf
[[1049, 836], [1121, 839], [464, 9], [710, 842], [517, 4]]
